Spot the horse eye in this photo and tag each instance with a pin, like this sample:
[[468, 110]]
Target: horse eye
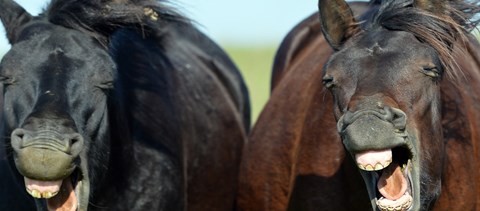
[[106, 85], [328, 81], [6, 80], [431, 71]]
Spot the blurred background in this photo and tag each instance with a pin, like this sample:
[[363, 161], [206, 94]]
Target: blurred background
[[249, 30]]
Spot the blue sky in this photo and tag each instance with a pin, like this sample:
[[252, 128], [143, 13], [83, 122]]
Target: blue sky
[[247, 22]]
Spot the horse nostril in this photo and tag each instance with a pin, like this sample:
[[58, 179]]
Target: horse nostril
[[76, 144], [19, 133], [395, 116], [17, 138], [399, 119]]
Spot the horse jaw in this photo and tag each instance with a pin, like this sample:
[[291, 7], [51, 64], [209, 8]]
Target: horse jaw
[[411, 170], [72, 195]]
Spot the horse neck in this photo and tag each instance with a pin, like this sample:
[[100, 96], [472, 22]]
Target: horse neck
[[460, 123]]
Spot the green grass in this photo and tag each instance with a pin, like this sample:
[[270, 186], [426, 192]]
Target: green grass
[[255, 63]]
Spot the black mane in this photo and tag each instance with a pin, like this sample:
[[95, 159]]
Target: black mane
[[439, 31], [101, 18]]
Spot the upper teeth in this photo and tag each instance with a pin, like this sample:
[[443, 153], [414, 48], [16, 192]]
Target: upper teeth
[[376, 167], [374, 160], [37, 194]]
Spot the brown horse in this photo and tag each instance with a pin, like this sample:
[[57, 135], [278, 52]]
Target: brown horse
[[394, 125]]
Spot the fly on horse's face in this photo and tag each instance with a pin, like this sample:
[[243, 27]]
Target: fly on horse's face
[[386, 89], [46, 77]]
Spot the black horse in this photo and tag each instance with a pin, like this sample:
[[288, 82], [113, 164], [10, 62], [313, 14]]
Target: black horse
[[117, 105]]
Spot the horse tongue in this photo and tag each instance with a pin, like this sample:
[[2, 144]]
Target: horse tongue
[[65, 200], [392, 184]]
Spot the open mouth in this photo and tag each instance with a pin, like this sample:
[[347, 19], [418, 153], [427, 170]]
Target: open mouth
[[391, 171], [61, 195]]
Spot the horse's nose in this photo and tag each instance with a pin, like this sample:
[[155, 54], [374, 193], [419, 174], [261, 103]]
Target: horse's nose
[[395, 116], [377, 128], [69, 143]]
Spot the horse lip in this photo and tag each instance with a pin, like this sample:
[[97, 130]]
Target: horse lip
[[383, 114], [50, 145], [370, 178], [394, 137], [407, 173], [68, 143], [83, 186], [77, 181], [78, 173], [33, 163], [371, 133], [350, 117]]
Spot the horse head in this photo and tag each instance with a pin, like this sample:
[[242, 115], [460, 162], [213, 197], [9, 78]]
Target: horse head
[[46, 77], [385, 78]]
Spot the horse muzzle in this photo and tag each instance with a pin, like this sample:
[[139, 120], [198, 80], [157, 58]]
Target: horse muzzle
[[49, 162], [45, 155], [373, 129], [378, 141]]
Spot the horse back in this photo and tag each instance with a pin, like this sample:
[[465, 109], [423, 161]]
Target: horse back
[[191, 106]]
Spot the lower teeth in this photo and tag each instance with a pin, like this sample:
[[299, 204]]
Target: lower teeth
[[407, 202]]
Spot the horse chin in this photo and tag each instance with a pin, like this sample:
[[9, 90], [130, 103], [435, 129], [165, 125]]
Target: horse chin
[[69, 194], [396, 185]]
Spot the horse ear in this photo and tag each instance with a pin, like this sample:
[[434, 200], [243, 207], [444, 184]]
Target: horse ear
[[437, 7], [13, 16], [337, 21]]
